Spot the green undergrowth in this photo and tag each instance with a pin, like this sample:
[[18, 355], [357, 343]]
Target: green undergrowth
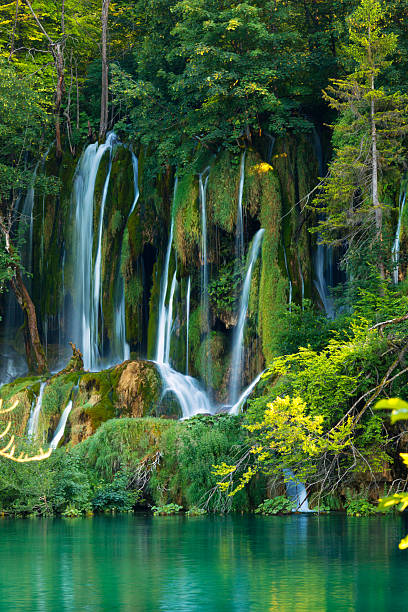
[[132, 463]]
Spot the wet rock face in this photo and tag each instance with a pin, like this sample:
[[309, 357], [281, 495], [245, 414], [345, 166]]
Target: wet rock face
[[138, 389], [12, 364]]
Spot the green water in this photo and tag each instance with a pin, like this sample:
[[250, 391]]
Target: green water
[[141, 563]]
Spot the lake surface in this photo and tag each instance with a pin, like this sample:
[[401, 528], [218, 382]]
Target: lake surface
[[143, 563]]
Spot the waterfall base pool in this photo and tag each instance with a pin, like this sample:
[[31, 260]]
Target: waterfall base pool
[[207, 564]]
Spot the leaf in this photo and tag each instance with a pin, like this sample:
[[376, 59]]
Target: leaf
[[403, 544], [398, 406]]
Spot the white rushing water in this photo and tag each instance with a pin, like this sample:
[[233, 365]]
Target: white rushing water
[[296, 492], [322, 255], [396, 244], [188, 320], [120, 350], [191, 398], [238, 338], [86, 276], [237, 407], [302, 281], [205, 311], [35, 414], [59, 432], [239, 236], [289, 279], [162, 324]]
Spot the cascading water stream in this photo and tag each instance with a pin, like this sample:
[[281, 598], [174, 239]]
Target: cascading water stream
[[239, 236], [320, 281], [396, 246], [188, 320], [120, 349], [296, 492], [59, 432], [191, 398], [161, 329], [302, 280], [35, 414], [87, 278], [289, 279], [238, 339], [97, 273], [203, 183], [169, 321], [236, 408], [324, 253]]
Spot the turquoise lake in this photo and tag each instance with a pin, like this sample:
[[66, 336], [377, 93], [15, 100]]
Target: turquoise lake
[[250, 563]]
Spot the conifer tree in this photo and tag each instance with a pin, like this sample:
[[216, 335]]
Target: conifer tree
[[368, 136]]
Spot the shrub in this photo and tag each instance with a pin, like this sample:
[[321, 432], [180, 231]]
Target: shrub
[[166, 510], [276, 505]]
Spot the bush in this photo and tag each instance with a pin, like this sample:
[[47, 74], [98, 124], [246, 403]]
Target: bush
[[357, 505], [276, 505], [117, 496], [166, 510], [196, 511]]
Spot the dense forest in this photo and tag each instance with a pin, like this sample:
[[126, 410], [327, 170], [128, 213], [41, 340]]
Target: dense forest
[[203, 266]]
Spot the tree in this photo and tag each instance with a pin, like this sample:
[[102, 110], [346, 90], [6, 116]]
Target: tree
[[368, 136], [105, 82], [22, 123]]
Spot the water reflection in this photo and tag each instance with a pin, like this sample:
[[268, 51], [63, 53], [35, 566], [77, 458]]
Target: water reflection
[[237, 564]]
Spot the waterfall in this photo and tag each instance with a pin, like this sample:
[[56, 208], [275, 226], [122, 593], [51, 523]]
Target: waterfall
[[170, 318], [162, 325], [239, 236], [59, 432], [97, 273], [396, 246], [35, 413], [120, 348], [191, 398], [302, 280], [235, 409], [323, 253], [203, 182], [289, 279], [188, 319], [87, 279], [238, 339], [296, 492]]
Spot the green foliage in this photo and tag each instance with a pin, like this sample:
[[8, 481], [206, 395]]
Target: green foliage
[[276, 505], [369, 134], [166, 510], [302, 326], [118, 495], [223, 288], [357, 505], [196, 511]]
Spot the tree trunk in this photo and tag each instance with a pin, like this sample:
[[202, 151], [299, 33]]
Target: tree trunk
[[59, 64], [36, 358], [103, 126], [374, 169]]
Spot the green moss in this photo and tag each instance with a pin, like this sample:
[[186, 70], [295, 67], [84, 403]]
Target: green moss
[[123, 442], [187, 227], [272, 294], [223, 187], [212, 348]]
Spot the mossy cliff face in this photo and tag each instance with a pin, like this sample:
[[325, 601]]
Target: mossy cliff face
[[132, 389], [134, 248]]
